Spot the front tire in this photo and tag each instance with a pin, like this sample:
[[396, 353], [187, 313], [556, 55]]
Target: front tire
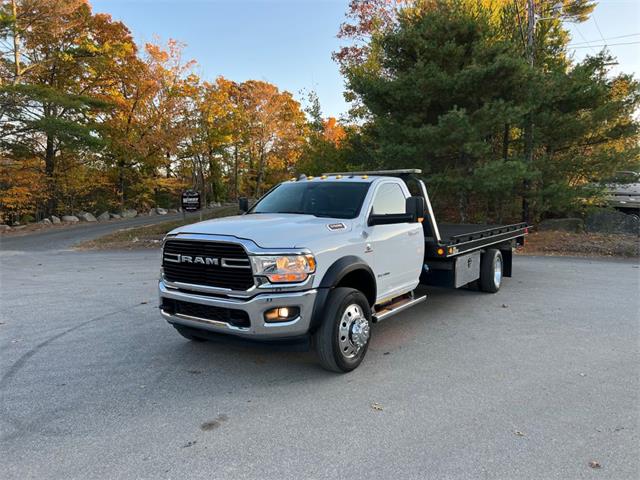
[[342, 340], [491, 270]]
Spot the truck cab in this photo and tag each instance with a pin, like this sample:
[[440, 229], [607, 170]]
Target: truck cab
[[316, 258]]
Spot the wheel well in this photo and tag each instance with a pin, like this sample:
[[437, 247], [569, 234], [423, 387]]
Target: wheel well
[[360, 280]]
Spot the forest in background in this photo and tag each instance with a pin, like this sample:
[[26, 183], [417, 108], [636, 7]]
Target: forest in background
[[91, 121]]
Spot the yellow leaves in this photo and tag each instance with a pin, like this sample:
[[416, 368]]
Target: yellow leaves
[[23, 184]]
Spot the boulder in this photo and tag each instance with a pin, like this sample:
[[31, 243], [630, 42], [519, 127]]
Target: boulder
[[173, 210], [45, 221], [575, 225], [162, 211], [70, 219], [86, 217], [55, 219], [104, 217], [115, 215], [612, 221], [129, 213], [4, 228], [152, 212]]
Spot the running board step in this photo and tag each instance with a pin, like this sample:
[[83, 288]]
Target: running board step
[[397, 307]]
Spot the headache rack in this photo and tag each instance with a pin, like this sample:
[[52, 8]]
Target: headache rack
[[449, 240]]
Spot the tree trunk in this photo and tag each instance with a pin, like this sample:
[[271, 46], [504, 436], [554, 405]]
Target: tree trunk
[[505, 142], [16, 43], [462, 206], [121, 184], [235, 171], [260, 173], [49, 167]]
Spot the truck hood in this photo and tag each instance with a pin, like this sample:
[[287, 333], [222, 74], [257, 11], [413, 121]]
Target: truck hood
[[272, 230]]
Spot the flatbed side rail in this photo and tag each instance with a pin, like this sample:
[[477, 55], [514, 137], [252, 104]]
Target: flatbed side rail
[[489, 232], [490, 237]]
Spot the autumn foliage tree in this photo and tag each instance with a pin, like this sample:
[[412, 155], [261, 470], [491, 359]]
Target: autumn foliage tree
[[90, 121]]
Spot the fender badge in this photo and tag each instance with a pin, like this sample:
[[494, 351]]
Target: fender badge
[[336, 226]]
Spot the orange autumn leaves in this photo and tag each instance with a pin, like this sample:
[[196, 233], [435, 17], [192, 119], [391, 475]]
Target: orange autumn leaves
[[90, 120]]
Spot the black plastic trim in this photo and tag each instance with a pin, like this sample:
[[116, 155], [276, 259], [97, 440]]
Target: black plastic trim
[[336, 272]]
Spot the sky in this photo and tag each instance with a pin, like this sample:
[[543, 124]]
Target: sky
[[289, 42]]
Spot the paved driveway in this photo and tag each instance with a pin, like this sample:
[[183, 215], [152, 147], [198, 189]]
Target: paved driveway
[[533, 382], [64, 237]]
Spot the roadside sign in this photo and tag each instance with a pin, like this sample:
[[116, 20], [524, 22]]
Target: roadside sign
[[190, 201]]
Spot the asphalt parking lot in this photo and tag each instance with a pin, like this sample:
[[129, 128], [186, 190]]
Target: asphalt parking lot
[[533, 382]]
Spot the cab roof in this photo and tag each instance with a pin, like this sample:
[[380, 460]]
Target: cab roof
[[361, 176]]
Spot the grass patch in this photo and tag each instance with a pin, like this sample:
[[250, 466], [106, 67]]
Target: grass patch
[[581, 244], [148, 236]]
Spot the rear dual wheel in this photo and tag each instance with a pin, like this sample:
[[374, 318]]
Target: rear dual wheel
[[342, 340]]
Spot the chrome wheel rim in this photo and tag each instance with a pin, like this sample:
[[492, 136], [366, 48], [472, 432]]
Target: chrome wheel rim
[[354, 331], [497, 273]]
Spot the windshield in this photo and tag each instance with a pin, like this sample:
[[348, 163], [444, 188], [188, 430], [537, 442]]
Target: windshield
[[325, 199]]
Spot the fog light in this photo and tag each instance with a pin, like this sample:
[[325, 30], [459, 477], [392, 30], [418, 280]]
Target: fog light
[[281, 314]]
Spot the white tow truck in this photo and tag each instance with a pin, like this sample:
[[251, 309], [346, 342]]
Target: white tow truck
[[320, 259]]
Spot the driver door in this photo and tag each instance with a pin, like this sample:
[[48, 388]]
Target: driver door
[[395, 251]]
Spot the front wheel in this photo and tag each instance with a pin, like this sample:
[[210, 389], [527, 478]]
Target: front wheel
[[342, 339], [491, 271]]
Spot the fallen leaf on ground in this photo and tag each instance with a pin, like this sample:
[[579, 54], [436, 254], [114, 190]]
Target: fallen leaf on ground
[[595, 464], [504, 305], [377, 406], [189, 444], [519, 433]]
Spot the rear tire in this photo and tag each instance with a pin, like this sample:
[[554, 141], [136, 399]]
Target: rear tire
[[342, 340], [188, 334], [491, 270]]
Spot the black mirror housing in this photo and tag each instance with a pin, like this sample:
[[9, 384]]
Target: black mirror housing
[[243, 204], [416, 206]]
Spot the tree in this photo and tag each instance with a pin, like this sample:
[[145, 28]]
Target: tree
[[443, 88], [448, 86], [273, 133], [147, 124], [56, 78]]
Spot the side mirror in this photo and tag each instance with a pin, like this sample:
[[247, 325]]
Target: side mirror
[[414, 210], [416, 206], [243, 203]]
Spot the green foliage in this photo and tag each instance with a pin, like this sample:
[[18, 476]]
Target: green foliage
[[451, 94]]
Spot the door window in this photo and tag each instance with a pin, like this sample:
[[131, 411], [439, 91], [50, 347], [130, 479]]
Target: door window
[[389, 199]]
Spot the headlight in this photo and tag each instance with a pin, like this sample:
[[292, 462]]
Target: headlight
[[284, 268]]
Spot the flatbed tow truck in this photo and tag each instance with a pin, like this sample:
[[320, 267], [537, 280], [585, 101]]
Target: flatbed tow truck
[[322, 259]]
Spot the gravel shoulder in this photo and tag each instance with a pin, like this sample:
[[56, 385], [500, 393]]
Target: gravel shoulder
[[558, 243]]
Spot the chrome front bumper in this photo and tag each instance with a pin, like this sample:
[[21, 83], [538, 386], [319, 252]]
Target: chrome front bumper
[[254, 307]]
